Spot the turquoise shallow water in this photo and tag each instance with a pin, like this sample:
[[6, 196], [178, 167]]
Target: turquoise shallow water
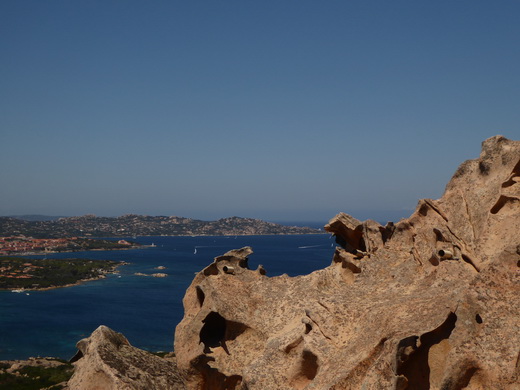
[[145, 309]]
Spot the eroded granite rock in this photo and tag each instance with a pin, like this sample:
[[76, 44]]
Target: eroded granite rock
[[107, 361], [431, 302]]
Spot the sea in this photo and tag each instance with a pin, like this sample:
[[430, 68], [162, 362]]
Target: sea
[[145, 309]]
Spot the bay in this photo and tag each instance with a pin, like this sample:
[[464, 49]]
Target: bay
[[145, 309]]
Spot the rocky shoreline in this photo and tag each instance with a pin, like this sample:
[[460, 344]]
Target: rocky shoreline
[[79, 282]]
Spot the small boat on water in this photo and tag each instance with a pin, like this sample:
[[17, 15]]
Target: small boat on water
[[153, 245], [19, 290]]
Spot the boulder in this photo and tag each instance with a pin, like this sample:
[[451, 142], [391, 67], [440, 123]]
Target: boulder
[[430, 302], [107, 361]]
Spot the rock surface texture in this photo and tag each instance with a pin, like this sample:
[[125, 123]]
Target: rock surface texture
[[107, 361], [430, 302]]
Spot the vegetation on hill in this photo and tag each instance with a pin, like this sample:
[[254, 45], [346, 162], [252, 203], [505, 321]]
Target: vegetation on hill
[[48, 373], [23, 273]]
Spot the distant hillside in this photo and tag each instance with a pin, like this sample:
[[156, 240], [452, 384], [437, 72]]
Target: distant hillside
[[141, 225], [36, 217]]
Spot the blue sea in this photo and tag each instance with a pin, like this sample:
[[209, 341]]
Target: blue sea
[[145, 309]]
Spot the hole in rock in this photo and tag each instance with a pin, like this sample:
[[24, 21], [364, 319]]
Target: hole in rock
[[434, 260], [200, 295], [211, 270], [405, 347], [307, 370], [387, 232], [468, 260], [438, 235], [516, 173], [217, 330], [499, 204], [351, 239], [213, 379], [244, 263], [351, 266], [478, 318], [261, 270], [234, 329], [503, 201], [233, 382], [76, 357], [213, 332], [445, 254], [308, 328], [353, 246], [463, 381], [362, 245], [309, 366], [412, 361], [340, 241]]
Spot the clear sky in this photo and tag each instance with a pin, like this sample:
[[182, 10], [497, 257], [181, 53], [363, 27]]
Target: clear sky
[[281, 110]]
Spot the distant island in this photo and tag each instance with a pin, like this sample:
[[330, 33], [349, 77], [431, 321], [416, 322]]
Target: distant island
[[20, 274], [141, 225]]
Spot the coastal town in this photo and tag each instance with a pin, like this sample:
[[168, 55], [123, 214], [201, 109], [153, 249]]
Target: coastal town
[[131, 225], [12, 245], [21, 245], [24, 271]]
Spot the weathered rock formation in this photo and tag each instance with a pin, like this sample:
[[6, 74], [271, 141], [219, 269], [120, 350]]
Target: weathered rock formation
[[107, 361], [432, 302]]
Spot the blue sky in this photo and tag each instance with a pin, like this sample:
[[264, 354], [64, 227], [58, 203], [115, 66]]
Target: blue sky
[[281, 110]]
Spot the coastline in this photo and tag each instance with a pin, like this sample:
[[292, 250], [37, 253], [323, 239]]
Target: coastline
[[103, 275], [127, 303], [42, 253], [22, 290], [45, 252]]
